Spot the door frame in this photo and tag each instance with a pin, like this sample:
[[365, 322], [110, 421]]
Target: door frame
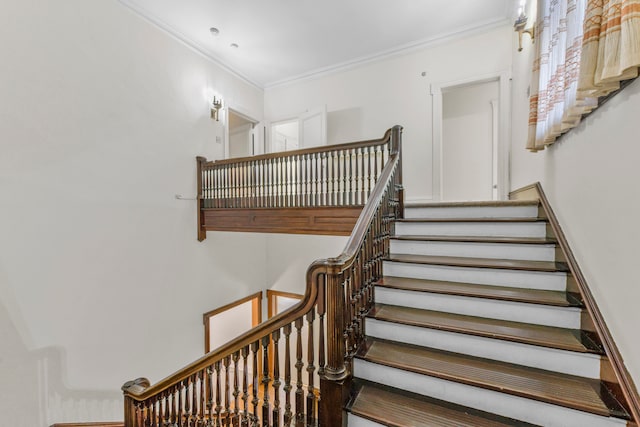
[[501, 167]]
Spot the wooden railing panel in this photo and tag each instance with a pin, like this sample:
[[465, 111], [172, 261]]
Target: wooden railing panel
[[236, 385]]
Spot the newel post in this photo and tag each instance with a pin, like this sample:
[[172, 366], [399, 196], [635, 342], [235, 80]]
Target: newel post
[[202, 233], [335, 383], [133, 417], [396, 147]]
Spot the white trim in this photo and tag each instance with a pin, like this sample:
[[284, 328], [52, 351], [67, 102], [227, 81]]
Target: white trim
[[196, 47], [495, 138], [389, 53], [503, 78]]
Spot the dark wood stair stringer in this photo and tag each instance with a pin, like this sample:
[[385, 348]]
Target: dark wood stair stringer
[[624, 386]]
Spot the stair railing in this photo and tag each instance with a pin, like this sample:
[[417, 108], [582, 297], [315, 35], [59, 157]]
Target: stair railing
[[333, 175], [294, 369]]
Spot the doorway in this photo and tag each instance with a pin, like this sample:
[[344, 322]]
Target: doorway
[[241, 135], [308, 129], [284, 136], [470, 146], [232, 320]]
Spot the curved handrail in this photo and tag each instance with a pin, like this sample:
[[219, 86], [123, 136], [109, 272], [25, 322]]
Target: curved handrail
[[325, 293], [251, 336]]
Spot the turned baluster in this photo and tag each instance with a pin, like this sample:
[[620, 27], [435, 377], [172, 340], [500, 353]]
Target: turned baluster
[[287, 376], [344, 178], [245, 386], [202, 405], [299, 364], [236, 388], [272, 183], [311, 397], [227, 392], [266, 379], [333, 195], [256, 371], [152, 413], [179, 397], [350, 178], [172, 408], [276, 379], [218, 409], [316, 178]]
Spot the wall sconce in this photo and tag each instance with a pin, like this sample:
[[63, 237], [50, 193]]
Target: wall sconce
[[216, 105], [521, 23]]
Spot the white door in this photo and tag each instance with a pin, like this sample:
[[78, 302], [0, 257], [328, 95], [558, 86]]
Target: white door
[[308, 129], [312, 127]]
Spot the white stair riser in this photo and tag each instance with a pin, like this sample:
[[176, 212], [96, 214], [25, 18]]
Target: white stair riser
[[537, 314], [356, 421], [530, 252], [476, 229], [472, 212], [566, 362], [553, 281], [504, 404]]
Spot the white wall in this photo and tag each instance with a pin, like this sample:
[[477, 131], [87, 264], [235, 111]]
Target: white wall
[[101, 277], [290, 255], [591, 178], [362, 103]]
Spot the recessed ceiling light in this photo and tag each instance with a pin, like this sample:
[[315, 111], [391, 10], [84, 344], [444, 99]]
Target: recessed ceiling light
[[234, 45], [214, 31]]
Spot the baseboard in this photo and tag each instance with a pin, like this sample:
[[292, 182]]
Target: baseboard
[[625, 382]]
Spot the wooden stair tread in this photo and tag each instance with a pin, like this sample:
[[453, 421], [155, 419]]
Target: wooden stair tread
[[397, 408], [479, 203], [531, 296], [570, 391], [474, 219], [526, 333], [481, 239], [508, 264]]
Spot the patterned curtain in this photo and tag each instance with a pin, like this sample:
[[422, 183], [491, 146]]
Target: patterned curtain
[[611, 48], [584, 48], [555, 105]]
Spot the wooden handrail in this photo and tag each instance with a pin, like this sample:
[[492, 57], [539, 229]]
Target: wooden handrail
[[338, 290], [310, 150]]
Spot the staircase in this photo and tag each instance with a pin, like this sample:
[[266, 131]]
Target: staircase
[[475, 324]]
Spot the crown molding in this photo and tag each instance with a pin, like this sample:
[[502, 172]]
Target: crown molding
[[390, 53], [186, 41], [323, 71]]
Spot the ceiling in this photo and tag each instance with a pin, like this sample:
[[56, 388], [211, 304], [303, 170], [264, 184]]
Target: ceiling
[[281, 40]]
